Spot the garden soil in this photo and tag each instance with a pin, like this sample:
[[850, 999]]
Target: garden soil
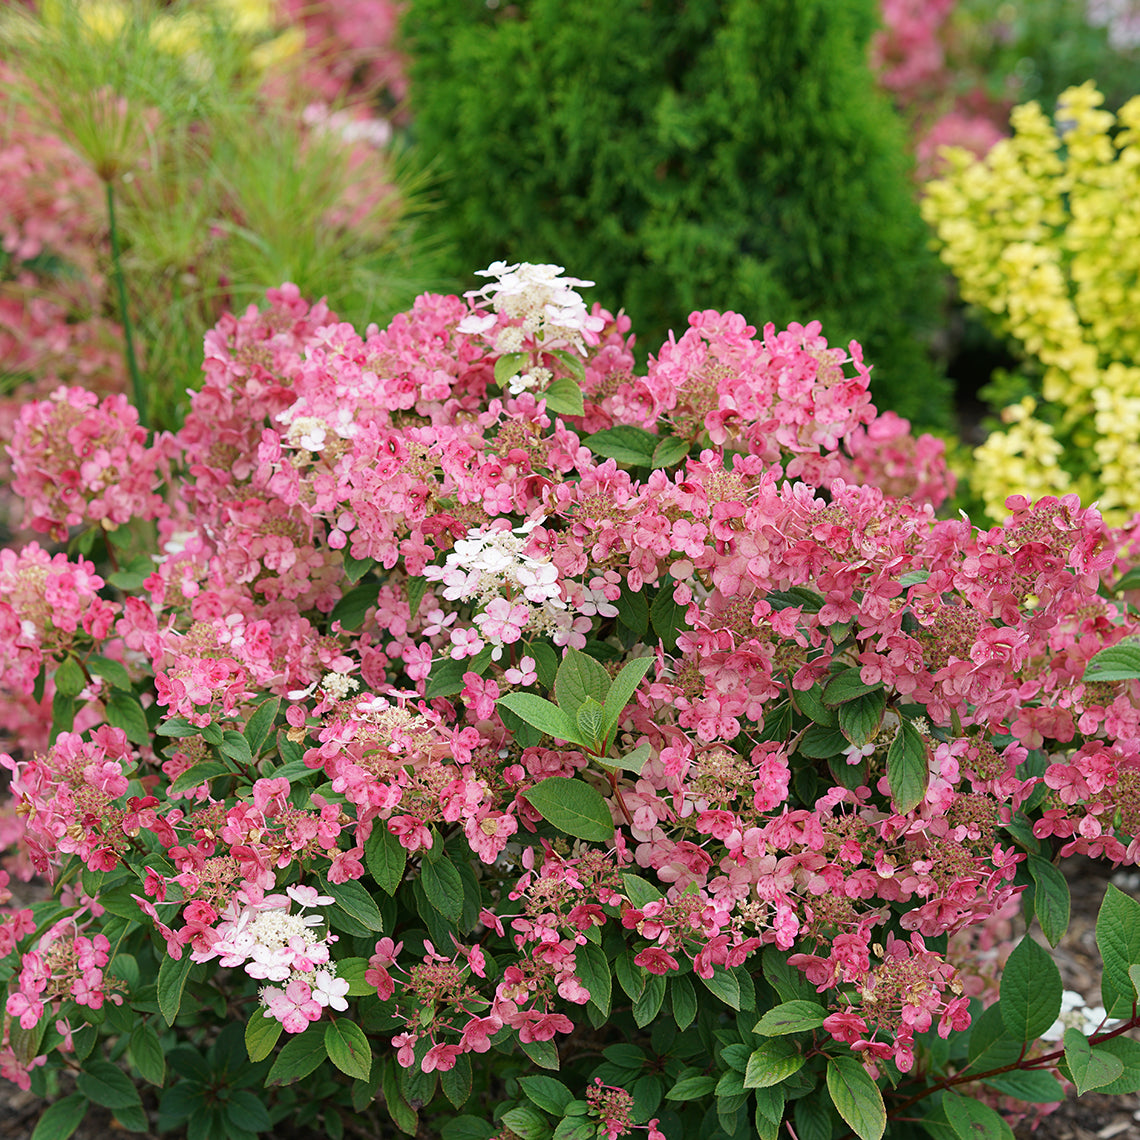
[[1091, 1117]]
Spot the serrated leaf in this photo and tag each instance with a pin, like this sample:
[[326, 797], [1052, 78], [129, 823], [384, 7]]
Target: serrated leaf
[[1030, 991], [723, 984], [61, 1119], [972, 1120], [543, 715], [146, 1054], [526, 1123], [549, 1093], [1090, 1067], [124, 711], [509, 365], [771, 1062], [692, 1088], [111, 671], [467, 1128], [1051, 899], [356, 568], [846, 686], [648, 1004], [348, 1048], [1128, 1051], [171, 982], [908, 771], [669, 452], [856, 1097], [626, 444], [820, 743], [261, 1034], [621, 692], [683, 998], [667, 617], [1120, 662], [1118, 938], [564, 397], [580, 677], [69, 679], [593, 970], [236, 747], [260, 724], [632, 761], [300, 1055], [639, 891], [542, 1053], [199, 774], [633, 611], [810, 703], [443, 888], [1032, 1086], [456, 1081], [386, 858], [860, 718], [350, 611], [572, 806], [352, 898], [106, 1084], [590, 718], [790, 1017], [991, 1045]]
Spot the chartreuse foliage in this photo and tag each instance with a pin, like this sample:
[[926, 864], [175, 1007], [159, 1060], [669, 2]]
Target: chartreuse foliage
[[1041, 235], [714, 154]]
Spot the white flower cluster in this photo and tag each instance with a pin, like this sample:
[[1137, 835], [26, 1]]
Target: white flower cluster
[[311, 433], [1075, 1014], [549, 312]]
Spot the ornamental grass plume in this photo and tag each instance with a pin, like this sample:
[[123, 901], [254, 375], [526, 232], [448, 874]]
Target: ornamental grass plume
[[1044, 238]]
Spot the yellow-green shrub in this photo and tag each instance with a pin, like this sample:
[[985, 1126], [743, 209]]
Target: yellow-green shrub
[[1043, 235]]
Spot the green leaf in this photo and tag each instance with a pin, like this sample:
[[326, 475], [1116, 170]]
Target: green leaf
[[527, 1123], [176, 726], [626, 444], [580, 677], [456, 1081], [1128, 1051], [564, 397], [111, 671], [468, 1128], [62, 1118], [386, 857], [1120, 662], [575, 1128], [856, 1097], [443, 888], [404, 1116], [171, 982], [544, 715], [846, 686], [236, 747], [669, 452], [991, 1045], [639, 891], [69, 679], [348, 1048], [684, 1000], [124, 711], [542, 1053], [244, 1110], [572, 806], [773, 1061], [648, 1004], [1118, 938], [790, 1017], [261, 1034], [352, 608], [146, 1054], [573, 362], [509, 365], [200, 774], [813, 1119], [591, 719], [973, 1120], [860, 718], [1051, 899], [260, 724], [211, 734], [632, 761], [549, 1093], [1031, 1085], [692, 1088], [667, 616], [810, 703], [820, 743], [723, 984], [107, 1084], [621, 691], [1030, 991], [593, 969], [633, 611], [352, 898], [1090, 1067], [907, 768], [356, 568], [298, 1058]]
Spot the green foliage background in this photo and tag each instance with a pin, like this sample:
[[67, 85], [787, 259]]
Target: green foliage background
[[716, 154]]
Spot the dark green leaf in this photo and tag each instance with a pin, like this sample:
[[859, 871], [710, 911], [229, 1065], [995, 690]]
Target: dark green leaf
[[667, 616], [684, 1000], [810, 703], [542, 1053], [176, 726], [692, 1088], [386, 857], [564, 397], [1120, 662], [813, 1120], [1128, 1051], [860, 718], [468, 1128], [626, 444], [1051, 901], [124, 711], [723, 984], [111, 671], [352, 608], [991, 1045], [579, 677], [62, 1118], [107, 1084], [1090, 1067], [1030, 991], [199, 774], [633, 611], [146, 1054], [790, 1017], [821, 743], [639, 891], [443, 888], [907, 769], [1118, 938], [456, 1081], [236, 747], [593, 969], [549, 1093], [856, 1097], [69, 679], [356, 568], [846, 686], [352, 898], [648, 1004], [772, 1062], [299, 1056], [1032, 1086], [973, 1120], [348, 1048], [624, 686], [171, 982], [260, 724], [261, 1034], [572, 806], [527, 1123]]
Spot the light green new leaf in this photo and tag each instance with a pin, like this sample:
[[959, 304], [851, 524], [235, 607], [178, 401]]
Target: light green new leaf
[[564, 398], [623, 687], [590, 717], [261, 1034], [545, 716], [579, 677]]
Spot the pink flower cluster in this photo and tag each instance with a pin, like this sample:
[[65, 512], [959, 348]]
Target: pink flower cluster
[[794, 543]]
